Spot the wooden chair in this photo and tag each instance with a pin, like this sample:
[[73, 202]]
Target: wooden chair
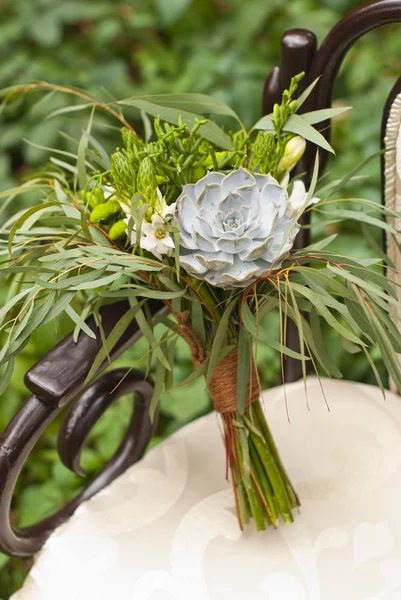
[[165, 528]]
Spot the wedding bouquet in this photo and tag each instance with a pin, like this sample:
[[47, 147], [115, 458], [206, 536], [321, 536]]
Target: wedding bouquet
[[203, 220]]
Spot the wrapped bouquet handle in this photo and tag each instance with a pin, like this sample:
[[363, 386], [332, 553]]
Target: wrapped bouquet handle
[[261, 485]]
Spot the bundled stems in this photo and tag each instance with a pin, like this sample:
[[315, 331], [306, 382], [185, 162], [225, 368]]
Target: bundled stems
[[261, 486]]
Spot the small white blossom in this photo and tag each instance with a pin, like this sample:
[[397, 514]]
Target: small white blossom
[[154, 236], [298, 197]]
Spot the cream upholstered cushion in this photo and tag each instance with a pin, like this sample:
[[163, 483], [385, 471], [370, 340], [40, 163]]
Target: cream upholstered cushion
[[166, 529]]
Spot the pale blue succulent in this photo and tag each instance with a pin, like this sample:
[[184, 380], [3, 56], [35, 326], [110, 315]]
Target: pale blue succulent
[[236, 228]]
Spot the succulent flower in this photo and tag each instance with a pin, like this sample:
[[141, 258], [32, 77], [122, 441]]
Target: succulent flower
[[236, 228]]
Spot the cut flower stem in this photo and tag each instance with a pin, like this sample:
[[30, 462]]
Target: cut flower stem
[[261, 485]]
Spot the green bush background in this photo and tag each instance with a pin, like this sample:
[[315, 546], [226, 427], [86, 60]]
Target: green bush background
[[120, 49]]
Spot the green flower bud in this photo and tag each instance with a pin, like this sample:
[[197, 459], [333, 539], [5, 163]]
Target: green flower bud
[[276, 112], [147, 178], [264, 150], [293, 152], [103, 212], [118, 230], [123, 175], [94, 197]]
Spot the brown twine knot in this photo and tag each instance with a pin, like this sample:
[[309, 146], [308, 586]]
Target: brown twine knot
[[223, 385]]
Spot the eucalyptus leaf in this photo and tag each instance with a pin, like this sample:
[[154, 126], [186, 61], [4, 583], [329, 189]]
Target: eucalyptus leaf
[[210, 131], [198, 104], [243, 368], [298, 125]]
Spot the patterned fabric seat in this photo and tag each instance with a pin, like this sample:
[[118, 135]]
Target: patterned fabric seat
[[166, 529]]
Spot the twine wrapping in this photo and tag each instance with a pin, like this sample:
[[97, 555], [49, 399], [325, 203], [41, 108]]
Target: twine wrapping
[[223, 384]]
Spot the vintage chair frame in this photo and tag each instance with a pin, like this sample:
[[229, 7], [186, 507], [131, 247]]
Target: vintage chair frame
[[58, 378]]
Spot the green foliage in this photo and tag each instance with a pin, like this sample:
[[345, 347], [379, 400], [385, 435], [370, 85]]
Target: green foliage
[[225, 48], [177, 156]]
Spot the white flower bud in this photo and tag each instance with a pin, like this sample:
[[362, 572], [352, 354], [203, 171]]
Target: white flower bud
[[293, 152]]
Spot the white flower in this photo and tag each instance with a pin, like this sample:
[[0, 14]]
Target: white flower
[[154, 236], [298, 197]]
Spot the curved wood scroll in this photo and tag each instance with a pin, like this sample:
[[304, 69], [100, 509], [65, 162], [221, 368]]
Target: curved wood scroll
[[56, 380]]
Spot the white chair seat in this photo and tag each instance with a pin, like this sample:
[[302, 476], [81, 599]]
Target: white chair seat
[[167, 530]]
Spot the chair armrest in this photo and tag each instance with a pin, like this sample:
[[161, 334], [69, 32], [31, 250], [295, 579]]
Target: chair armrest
[[61, 373]]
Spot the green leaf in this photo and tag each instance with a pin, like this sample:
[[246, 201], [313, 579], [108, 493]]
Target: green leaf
[[68, 109], [34, 322], [320, 303], [357, 215], [351, 174], [6, 376], [324, 356], [160, 375], [317, 116], [246, 462], [306, 93], [147, 330], [243, 368], [198, 372], [365, 284], [9, 305], [116, 333], [210, 131], [197, 320], [35, 210], [69, 282], [382, 339], [265, 123], [78, 321], [220, 339], [193, 103], [320, 245], [171, 12], [296, 124], [156, 294], [90, 285], [81, 154], [259, 334]]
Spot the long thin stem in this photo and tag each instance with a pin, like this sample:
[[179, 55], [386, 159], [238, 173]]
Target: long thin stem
[[60, 88]]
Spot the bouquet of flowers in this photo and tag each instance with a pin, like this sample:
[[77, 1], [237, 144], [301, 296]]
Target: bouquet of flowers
[[202, 220]]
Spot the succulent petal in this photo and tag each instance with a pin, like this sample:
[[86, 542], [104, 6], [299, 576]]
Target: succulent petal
[[204, 243], [215, 261], [235, 180], [191, 264], [240, 271], [257, 249], [209, 199], [261, 180], [272, 193], [233, 246], [210, 177]]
